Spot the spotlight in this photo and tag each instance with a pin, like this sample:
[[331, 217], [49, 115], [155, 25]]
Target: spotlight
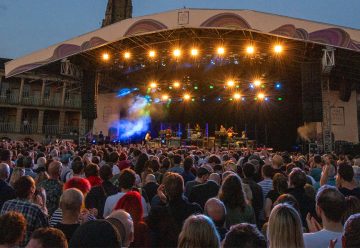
[[211, 87], [127, 55], [105, 56], [165, 97], [257, 83], [230, 83], [176, 84], [194, 52], [237, 96], [219, 99], [278, 85], [221, 50], [266, 98], [177, 52], [187, 97], [278, 48], [280, 98], [250, 50], [152, 53], [261, 96], [153, 85]]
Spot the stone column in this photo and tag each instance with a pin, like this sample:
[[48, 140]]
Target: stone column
[[42, 92], [21, 89], [61, 122], [40, 122], [18, 120]]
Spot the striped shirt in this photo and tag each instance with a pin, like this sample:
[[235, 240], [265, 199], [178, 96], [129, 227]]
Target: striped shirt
[[266, 186]]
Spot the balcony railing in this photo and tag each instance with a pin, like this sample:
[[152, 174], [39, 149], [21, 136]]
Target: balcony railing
[[9, 99], [73, 103], [7, 127], [31, 128], [31, 100], [70, 129], [51, 102], [51, 129]]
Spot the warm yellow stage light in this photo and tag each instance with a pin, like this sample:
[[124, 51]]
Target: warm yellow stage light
[[194, 52], [127, 55], [153, 85], [230, 83], [177, 52], [237, 96], [278, 48], [250, 50], [187, 97], [221, 50], [261, 96], [105, 56], [257, 83], [152, 53], [165, 97], [176, 84]]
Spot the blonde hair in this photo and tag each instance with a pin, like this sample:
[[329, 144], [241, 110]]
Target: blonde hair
[[198, 231], [16, 174], [285, 228]]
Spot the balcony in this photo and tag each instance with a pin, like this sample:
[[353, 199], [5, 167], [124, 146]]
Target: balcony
[[29, 129], [31, 101], [52, 102], [70, 129], [51, 129], [73, 103], [9, 99], [7, 127]]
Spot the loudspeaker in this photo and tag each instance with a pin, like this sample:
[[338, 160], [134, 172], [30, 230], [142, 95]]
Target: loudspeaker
[[311, 91], [344, 90], [89, 92]]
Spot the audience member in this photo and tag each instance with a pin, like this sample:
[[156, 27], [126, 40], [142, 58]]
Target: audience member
[[6, 191], [345, 181], [150, 186], [12, 229], [203, 192], [215, 209], [124, 219], [202, 176], [47, 238], [244, 235]]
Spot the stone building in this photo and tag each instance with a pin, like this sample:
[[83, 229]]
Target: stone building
[[117, 10]]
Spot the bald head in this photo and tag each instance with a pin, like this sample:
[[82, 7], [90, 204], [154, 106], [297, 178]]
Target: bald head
[[41, 162], [150, 178], [128, 223], [54, 169], [215, 177], [215, 209], [4, 171], [71, 200]]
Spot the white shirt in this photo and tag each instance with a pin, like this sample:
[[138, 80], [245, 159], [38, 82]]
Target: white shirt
[[321, 239], [112, 200]]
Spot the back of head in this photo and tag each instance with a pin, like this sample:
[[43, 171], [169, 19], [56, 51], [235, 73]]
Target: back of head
[[77, 167], [331, 202], [280, 183], [41, 162], [231, 192], [346, 172], [248, 170], [113, 157], [96, 234], [285, 227], [127, 179], [71, 200], [5, 155], [48, 238], [91, 170], [352, 232], [177, 159], [352, 207], [188, 163], [150, 178], [174, 185], [215, 177], [4, 171], [297, 178], [12, 228], [131, 203], [27, 162], [198, 231], [267, 171], [245, 236], [215, 209], [317, 159], [54, 169], [105, 172], [24, 186], [81, 184], [277, 161], [288, 199], [126, 220]]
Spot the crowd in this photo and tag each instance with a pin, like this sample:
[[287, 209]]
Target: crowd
[[64, 195]]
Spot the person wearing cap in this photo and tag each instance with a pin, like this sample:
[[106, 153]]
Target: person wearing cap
[[203, 192], [124, 224]]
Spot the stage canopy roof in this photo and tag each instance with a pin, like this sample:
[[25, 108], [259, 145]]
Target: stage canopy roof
[[281, 26]]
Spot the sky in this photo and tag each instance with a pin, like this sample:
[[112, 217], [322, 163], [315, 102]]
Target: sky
[[30, 25]]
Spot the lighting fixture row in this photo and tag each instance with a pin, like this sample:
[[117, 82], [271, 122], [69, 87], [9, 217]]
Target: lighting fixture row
[[236, 96], [194, 52]]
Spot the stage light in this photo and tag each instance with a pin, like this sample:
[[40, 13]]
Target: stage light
[[195, 87], [127, 55], [165, 97], [278, 85], [261, 96], [105, 56], [211, 87], [250, 49], [177, 53], [243, 98], [237, 96], [278, 48], [219, 99], [194, 52], [257, 83], [187, 97], [266, 98], [220, 50], [152, 53], [153, 85], [176, 84], [280, 98], [230, 83], [193, 99]]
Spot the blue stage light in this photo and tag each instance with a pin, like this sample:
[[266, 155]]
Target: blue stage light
[[278, 86], [252, 86]]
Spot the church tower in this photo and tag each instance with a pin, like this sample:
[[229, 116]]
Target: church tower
[[117, 10]]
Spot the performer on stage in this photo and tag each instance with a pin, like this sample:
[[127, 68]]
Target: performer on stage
[[222, 129], [230, 132], [197, 127], [147, 137], [243, 135]]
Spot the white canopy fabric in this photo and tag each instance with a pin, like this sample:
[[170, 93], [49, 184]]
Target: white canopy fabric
[[288, 27]]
